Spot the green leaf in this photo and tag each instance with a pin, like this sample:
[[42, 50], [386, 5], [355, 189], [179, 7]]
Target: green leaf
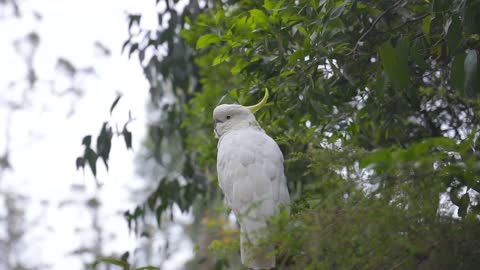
[[417, 58], [158, 215], [297, 55], [470, 66], [207, 40], [220, 59], [129, 219], [133, 48], [259, 17], [337, 12], [380, 83], [113, 261], [448, 144], [426, 24], [303, 31], [134, 18], [147, 268], [287, 73], [127, 136], [453, 193], [80, 162], [218, 16], [139, 212], [239, 66], [104, 143], [151, 201], [234, 93], [453, 29], [395, 63], [380, 160], [471, 17], [457, 74], [115, 102], [272, 4], [125, 256], [87, 140], [440, 5], [125, 44], [463, 205], [91, 158]]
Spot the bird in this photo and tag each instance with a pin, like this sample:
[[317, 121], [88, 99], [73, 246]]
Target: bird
[[251, 175]]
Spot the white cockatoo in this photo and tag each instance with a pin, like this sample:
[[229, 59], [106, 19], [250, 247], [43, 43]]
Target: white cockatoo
[[251, 175]]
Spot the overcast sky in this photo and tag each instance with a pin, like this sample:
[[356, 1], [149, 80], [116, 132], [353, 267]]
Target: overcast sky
[[46, 133]]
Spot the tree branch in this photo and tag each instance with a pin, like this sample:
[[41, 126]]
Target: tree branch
[[375, 22], [411, 21]]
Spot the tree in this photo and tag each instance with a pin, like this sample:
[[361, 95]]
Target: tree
[[23, 219], [374, 104]]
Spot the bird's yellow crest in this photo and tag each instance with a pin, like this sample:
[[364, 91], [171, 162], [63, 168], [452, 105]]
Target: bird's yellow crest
[[255, 108]]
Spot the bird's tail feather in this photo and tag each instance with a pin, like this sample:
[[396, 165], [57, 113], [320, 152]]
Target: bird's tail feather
[[253, 255]]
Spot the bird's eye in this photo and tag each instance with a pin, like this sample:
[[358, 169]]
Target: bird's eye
[[228, 116]]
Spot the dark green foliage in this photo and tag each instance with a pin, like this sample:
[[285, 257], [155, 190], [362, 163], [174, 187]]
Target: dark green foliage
[[127, 136], [103, 145], [375, 106], [115, 102], [89, 156]]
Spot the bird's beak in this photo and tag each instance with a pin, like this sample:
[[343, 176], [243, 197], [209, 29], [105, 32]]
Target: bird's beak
[[255, 108], [215, 122]]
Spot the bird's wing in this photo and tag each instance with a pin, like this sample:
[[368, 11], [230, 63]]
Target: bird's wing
[[250, 171]]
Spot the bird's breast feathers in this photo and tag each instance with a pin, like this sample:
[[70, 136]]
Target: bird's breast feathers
[[250, 168]]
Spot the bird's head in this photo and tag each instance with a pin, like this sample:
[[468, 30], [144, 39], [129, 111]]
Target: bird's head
[[228, 117]]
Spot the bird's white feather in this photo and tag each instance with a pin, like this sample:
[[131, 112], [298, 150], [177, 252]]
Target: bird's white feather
[[251, 175]]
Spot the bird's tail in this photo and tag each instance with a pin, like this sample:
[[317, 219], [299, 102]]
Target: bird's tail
[[254, 255]]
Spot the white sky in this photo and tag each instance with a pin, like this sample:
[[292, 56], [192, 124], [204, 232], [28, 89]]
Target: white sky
[[46, 140]]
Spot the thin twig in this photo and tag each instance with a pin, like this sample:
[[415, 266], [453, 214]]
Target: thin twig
[[411, 21], [396, 4]]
